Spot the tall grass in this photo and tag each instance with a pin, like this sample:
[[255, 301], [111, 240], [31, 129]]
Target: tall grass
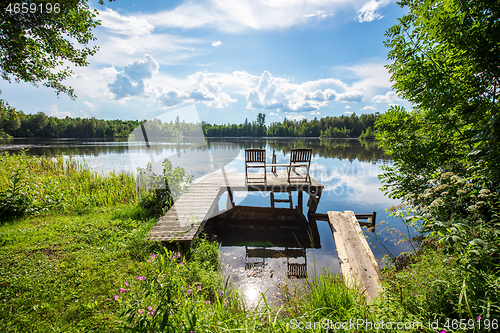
[[33, 184]]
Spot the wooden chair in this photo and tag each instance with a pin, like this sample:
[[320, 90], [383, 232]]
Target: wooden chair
[[300, 157], [255, 158]]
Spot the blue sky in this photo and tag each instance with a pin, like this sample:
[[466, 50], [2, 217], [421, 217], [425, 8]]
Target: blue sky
[[231, 59]]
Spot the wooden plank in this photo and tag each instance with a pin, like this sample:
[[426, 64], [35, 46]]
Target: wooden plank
[[357, 262], [190, 212]]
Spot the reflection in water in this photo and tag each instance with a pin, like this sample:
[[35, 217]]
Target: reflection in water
[[272, 246]]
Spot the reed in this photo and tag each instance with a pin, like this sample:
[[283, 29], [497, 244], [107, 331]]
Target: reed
[[34, 184]]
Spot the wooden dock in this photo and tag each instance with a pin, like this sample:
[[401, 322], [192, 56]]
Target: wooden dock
[[357, 262], [185, 219]]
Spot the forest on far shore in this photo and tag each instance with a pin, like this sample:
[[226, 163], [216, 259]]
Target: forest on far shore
[[17, 124]]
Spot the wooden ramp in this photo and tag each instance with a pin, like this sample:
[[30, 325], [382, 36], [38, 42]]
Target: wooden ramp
[[188, 215], [357, 262]]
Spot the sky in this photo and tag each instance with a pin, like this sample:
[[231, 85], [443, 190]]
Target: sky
[[229, 60]]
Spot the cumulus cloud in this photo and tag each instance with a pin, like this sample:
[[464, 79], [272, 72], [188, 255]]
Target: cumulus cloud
[[130, 82], [217, 43], [368, 12], [349, 112], [351, 97], [141, 69], [125, 25], [279, 94], [205, 90], [123, 87], [298, 118], [368, 107], [348, 107], [390, 97], [54, 112]]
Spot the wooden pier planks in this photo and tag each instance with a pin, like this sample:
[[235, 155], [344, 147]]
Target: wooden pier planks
[[357, 262], [190, 212]]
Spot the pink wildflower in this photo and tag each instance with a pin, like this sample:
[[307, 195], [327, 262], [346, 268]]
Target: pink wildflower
[[116, 297], [150, 308], [126, 284], [198, 287], [152, 313], [479, 317], [122, 290], [208, 302], [189, 291], [141, 311], [140, 277]]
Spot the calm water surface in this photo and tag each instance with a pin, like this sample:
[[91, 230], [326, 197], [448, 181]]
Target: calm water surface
[[348, 169]]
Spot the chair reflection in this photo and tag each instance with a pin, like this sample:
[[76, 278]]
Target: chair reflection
[[267, 233]]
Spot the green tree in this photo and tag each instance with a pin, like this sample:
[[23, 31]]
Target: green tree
[[34, 43], [446, 62]]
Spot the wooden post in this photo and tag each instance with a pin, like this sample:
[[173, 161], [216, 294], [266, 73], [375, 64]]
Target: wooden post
[[314, 196], [273, 169], [300, 200], [230, 202]]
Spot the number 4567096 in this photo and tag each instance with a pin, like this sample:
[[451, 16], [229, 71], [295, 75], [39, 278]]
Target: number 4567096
[[24, 8]]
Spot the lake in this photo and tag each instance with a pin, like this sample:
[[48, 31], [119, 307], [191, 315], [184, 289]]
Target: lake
[[348, 169]]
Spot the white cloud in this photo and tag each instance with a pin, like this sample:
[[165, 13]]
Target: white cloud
[[90, 105], [273, 114], [298, 118], [125, 25], [217, 43], [371, 77], [368, 107], [235, 16], [319, 13], [390, 97], [348, 107], [277, 93], [368, 12], [349, 112], [206, 90], [130, 82], [56, 113], [141, 69], [351, 97]]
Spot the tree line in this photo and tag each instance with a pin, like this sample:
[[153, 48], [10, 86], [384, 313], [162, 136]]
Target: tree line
[[352, 126], [17, 124]]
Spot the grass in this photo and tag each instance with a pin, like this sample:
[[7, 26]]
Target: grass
[[57, 272]]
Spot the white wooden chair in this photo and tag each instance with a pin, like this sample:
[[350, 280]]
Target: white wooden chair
[[300, 157], [255, 158]]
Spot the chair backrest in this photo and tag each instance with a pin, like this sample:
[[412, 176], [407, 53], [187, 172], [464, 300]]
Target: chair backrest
[[255, 155], [300, 155]]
